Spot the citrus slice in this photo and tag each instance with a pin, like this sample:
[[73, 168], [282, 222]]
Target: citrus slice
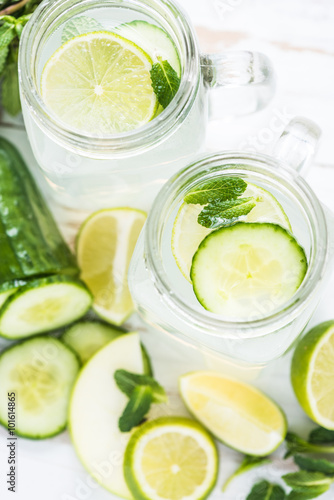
[[187, 233], [312, 374], [104, 248], [171, 458], [99, 83], [238, 414]]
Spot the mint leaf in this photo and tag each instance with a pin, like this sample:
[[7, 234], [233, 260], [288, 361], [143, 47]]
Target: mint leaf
[[79, 26], [165, 81], [307, 494], [136, 409], [304, 479], [10, 89], [222, 213], [266, 491], [314, 464], [7, 34], [127, 382], [222, 189], [3, 57], [295, 444], [321, 436], [249, 462]]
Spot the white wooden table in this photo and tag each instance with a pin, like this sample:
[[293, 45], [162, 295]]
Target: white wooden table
[[298, 36]]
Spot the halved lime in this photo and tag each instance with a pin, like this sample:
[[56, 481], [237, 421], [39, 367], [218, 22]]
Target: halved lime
[[188, 234], [236, 413], [104, 248], [171, 458], [312, 374], [99, 83]]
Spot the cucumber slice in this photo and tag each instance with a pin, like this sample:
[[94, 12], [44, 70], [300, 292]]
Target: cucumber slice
[[95, 407], [43, 305], [247, 270], [41, 372], [8, 288], [87, 337], [153, 40]]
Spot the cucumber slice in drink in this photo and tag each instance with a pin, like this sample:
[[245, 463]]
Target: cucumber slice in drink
[[247, 270], [87, 337], [40, 372], [43, 305], [153, 40]]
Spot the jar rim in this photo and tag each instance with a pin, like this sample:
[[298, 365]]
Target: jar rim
[[214, 324], [133, 141]]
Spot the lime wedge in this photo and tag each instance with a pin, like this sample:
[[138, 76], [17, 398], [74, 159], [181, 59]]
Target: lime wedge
[[188, 234], [99, 83], [312, 374], [171, 458], [104, 248], [238, 414]]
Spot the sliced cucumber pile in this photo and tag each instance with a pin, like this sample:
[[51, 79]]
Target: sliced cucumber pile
[[87, 337], [153, 40], [41, 372], [247, 270], [43, 305]]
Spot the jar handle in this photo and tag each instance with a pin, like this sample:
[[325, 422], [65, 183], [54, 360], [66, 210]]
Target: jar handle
[[298, 143], [247, 79]]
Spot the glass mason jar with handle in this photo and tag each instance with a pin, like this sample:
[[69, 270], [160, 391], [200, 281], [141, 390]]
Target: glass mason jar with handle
[[165, 298], [90, 171]]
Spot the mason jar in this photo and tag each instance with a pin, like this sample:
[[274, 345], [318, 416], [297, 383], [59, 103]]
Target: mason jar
[[165, 299], [85, 172]]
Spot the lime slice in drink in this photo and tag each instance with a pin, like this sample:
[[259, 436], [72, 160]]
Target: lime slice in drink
[[99, 83], [312, 374], [236, 413], [171, 458], [104, 248], [188, 234]]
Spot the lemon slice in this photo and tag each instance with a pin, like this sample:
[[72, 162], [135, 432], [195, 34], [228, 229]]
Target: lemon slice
[[99, 83], [187, 233], [104, 248], [171, 458], [238, 414], [312, 374]]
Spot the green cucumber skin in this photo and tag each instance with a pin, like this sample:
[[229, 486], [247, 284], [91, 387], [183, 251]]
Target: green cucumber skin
[[31, 244], [38, 283], [61, 429]]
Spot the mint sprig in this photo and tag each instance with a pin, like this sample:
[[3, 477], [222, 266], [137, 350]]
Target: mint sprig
[[222, 189], [127, 382], [319, 435], [165, 82], [79, 26], [223, 213], [314, 464], [264, 490], [142, 390], [296, 444], [136, 409]]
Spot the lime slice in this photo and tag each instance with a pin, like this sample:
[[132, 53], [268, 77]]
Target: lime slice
[[187, 233], [238, 414], [99, 83], [171, 458], [312, 374], [104, 248]]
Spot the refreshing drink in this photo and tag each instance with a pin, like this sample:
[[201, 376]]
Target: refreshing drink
[[114, 96], [233, 256]]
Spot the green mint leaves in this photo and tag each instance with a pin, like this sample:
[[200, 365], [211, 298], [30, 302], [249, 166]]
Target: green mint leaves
[[136, 409], [220, 196], [223, 213], [266, 491], [79, 26], [11, 28], [295, 444], [128, 381], [165, 82], [321, 436], [314, 464], [142, 391], [222, 189], [306, 485]]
